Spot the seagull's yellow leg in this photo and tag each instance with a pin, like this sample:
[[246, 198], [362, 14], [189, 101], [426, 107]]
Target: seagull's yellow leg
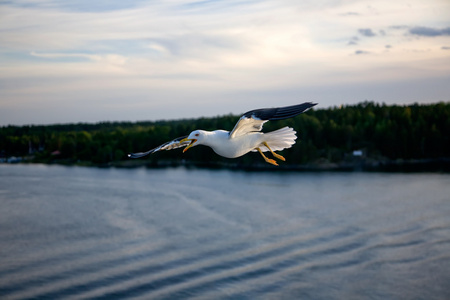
[[270, 161], [273, 153]]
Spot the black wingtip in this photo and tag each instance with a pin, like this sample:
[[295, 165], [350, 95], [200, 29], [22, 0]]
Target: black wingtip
[[137, 155], [290, 111], [312, 104], [279, 113]]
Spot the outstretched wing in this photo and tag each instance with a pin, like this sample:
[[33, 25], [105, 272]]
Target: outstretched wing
[[166, 146], [253, 120]]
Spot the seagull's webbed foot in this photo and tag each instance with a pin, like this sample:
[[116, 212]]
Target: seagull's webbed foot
[[273, 153], [270, 161], [279, 156]]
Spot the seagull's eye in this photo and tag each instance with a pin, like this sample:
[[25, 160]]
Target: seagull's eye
[[196, 134]]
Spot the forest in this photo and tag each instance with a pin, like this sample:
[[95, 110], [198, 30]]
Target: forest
[[362, 135]]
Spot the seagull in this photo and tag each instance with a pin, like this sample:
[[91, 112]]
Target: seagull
[[246, 135]]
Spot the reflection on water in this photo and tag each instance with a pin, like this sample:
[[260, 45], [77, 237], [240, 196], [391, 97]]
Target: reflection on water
[[86, 233]]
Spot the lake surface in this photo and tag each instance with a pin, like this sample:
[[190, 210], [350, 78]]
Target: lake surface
[[88, 233]]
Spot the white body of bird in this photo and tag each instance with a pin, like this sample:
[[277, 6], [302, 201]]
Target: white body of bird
[[223, 145]]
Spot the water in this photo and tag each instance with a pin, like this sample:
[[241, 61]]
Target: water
[[87, 233]]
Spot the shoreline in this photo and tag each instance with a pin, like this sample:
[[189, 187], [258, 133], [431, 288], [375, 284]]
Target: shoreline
[[437, 165]]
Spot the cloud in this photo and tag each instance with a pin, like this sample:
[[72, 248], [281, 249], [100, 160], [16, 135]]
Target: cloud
[[155, 53], [366, 32], [428, 31], [78, 5], [445, 48], [111, 59], [66, 55], [353, 41], [350, 13]]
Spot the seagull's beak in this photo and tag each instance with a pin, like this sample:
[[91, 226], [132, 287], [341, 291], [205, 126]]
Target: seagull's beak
[[190, 145]]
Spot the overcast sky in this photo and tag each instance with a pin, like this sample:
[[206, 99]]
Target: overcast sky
[[90, 61]]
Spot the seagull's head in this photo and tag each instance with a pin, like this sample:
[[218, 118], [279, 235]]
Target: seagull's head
[[195, 138]]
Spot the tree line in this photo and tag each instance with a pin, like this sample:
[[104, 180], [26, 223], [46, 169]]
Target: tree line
[[379, 131]]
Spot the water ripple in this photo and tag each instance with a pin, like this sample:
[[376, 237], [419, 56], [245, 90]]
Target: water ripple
[[189, 240]]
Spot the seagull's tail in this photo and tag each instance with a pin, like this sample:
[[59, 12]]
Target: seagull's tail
[[279, 139]]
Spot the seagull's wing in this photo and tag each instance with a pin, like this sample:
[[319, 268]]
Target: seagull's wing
[[166, 146], [253, 120]]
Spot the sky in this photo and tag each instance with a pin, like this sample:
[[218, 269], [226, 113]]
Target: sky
[[94, 61]]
